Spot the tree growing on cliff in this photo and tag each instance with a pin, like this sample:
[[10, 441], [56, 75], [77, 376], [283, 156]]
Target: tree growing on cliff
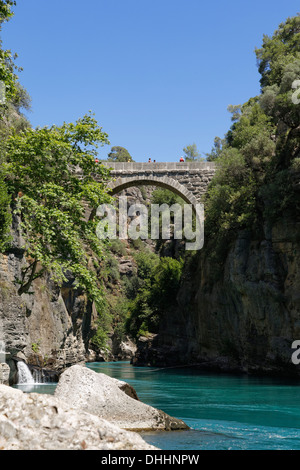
[[154, 294], [278, 51], [49, 174], [13, 97], [258, 160], [8, 69], [5, 216]]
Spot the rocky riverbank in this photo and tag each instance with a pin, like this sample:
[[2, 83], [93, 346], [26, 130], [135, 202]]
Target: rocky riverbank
[[89, 411], [43, 422]]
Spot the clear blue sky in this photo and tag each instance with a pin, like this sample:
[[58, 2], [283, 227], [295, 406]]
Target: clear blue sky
[[158, 74]]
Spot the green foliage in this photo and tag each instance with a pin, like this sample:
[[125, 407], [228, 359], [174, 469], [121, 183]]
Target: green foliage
[[278, 51], [156, 289], [5, 10], [142, 318], [296, 165], [35, 347], [119, 154], [216, 150], [42, 175], [276, 100], [117, 247], [119, 306], [278, 197], [13, 96], [99, 339], [110, 272], [5, 216], [230, 202], [147, 262], [166, 282], [7, 66], [137, 244], [257, 158], [251, 122], [165, 196], [191, 153]]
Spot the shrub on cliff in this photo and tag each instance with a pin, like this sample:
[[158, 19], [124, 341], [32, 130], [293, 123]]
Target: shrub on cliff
[[5, 216], [155, 295], [258, 157]]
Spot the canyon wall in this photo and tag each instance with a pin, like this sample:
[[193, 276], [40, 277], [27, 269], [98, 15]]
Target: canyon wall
[[243, 319], [48, 327]]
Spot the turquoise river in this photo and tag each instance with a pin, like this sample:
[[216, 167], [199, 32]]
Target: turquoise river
[[224, 412]]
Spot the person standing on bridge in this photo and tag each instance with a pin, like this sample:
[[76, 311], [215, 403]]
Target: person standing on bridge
[[149, 161], [181, 159]]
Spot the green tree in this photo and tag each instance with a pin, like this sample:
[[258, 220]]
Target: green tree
[[156, 293], [6, 10], [257, 160], [5, 216], [7, 67], [216, 150], [119, 154], [191, 153], [42, 174], [166, 282], [278, 51], [13, 96], [230, 200], [165, 196]]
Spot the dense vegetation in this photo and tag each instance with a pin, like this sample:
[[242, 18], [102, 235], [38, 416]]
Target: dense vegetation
[[258, 162], [138, 300], [13, 97], [40, 187], [259, 157]]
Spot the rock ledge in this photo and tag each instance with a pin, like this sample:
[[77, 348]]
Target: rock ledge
[[42, 422]]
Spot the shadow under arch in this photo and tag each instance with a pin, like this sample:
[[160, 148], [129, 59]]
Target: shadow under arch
[[165, 182], [119, 184]]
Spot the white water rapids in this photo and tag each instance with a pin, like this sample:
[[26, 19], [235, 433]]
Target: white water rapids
[[2, 351], [24, 374]]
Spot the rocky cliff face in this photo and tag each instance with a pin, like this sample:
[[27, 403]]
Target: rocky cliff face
[[244, 320], [48, 327]]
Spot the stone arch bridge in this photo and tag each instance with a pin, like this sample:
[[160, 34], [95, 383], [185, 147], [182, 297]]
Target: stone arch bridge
[[187, 179]]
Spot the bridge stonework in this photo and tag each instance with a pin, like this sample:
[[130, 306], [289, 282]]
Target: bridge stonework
[[187, 179]]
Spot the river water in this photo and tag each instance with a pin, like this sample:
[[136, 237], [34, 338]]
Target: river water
[[223, 411]]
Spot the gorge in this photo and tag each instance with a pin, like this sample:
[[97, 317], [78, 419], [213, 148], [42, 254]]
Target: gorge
[[69, 298]]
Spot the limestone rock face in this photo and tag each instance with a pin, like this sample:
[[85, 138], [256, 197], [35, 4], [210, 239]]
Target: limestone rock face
[[103, 396], [43, 422], [243, 318], [49, 326], [4, 373]]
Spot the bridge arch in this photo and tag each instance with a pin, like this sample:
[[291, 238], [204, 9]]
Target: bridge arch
[[165, 182]]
